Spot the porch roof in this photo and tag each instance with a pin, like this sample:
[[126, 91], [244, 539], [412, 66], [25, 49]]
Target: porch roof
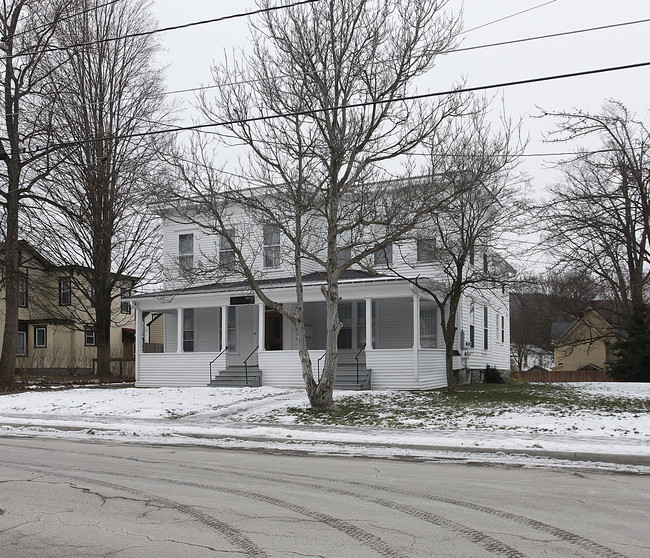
[[312, 279]]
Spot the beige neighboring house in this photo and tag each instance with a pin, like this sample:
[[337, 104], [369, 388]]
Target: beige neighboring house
[[55, 332], [586, 343]]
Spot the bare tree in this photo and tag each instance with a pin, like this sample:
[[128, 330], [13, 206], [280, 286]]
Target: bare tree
[[318, 106], [108, 96], [599, 215], [461, 237], [27, 28]]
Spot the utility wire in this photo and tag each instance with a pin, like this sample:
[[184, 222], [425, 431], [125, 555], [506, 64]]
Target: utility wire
[[163, 29], [510, 16], [406, 98]]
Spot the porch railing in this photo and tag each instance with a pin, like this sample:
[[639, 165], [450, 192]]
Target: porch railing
[[363, 348], [246, 362], [214, 360]]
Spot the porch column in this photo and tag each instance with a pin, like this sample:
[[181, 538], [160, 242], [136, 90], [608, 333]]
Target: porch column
[[179, 330], [139, 333], [261, 334], [224, 327], [416, 333], [369, 346]]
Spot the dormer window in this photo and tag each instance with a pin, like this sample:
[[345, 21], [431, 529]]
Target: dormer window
[[271, 246], [186, 252]]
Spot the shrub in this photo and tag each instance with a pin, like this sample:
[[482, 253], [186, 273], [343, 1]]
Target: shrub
[[492, 376]]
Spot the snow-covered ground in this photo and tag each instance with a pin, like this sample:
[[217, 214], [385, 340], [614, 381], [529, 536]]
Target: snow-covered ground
[[259, 418]]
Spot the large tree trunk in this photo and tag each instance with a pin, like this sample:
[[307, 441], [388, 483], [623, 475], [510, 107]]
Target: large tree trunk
[[449, 335], [10, 335]]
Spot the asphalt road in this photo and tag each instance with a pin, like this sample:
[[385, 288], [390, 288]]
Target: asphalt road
[[75, 499]]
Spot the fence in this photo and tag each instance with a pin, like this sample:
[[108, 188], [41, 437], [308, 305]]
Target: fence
[[564, 376], [122, 367]]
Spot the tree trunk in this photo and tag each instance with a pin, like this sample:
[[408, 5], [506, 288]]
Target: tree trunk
[[10, 336], [449, 335]]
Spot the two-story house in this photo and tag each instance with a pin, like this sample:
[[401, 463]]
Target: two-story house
[[55, 328], [195, 331]]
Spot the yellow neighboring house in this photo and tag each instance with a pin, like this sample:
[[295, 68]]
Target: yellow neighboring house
[[586, 343], [55, 331]]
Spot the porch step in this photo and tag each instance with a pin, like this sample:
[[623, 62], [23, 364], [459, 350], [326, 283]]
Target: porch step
[[346, 378], [235, 376]]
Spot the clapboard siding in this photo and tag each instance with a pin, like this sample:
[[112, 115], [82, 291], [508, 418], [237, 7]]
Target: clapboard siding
[[392, 369], [394, 323], [176, 370], [171, 332], [282, 368], [431, 368]]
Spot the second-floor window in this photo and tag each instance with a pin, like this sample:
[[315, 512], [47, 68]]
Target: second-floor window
[[125, 305], [226, 253], [185, 252], [426, 249], [22, 291], [65, 291], [271, 246], [384, 256], [90, 339]]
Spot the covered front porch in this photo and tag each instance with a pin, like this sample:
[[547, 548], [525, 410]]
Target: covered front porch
[[390, 339]]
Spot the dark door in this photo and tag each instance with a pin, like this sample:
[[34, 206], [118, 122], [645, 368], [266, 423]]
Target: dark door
[[273, 331]]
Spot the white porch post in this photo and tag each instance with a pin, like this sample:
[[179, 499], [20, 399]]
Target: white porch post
[[416, 334], [179, 330], [224, 327], [139, 333], [369, 346], [261, 332]]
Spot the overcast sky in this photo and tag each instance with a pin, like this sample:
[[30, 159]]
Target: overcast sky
[[190, 53]]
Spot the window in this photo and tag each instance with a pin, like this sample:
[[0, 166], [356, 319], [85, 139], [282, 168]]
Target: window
[[90, 339], [125, 305], [188, 330], [185, 252], [65, 291], [384, 256], [345, 335], [471, 325], [22, 291], [21, 348], [429, 327], [232, 329], [343, 255], [271, 246], [485, 327], [426, 249], [485, 262], [226, 253], [40, 336], [503, 329]]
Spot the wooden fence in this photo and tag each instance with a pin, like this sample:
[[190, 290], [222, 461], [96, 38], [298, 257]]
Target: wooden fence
[[564, 376]]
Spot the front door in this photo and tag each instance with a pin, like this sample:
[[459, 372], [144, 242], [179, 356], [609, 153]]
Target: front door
[[273, 331]]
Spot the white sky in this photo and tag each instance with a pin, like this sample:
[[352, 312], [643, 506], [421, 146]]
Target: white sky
[[190, 53]]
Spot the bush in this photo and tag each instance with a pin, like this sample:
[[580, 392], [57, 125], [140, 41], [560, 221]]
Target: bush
[[492, 376]]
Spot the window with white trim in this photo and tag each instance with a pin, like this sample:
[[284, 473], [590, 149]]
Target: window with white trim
[[65, 291], [22, 291], [384, 256], [40, 336], [271, 246], [185, 252], [428, 327], [485, 328], [188, 330], [426, 249], [90, 338], [232, 329], [226, 253], [21, 347]]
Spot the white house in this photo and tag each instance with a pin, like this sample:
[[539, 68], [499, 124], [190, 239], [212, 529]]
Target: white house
[[219, 333]]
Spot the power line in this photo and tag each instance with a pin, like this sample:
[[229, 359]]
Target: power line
[[510, 16], [263, 118], [163, 29]]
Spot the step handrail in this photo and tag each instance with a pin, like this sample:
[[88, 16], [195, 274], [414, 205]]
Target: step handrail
[[363, 348], [246, 362], [318, 364], [214, 359]]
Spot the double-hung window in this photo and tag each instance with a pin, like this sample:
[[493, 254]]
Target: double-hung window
[[232, 329], [125, 305], [226, 253], [22, 291], [345, 334], [90, 338], [485, 328], [271, 246], [384, 256], [426, 249], [185, 252], [188, 330], [428, 327], [21, 349], [65, 291]]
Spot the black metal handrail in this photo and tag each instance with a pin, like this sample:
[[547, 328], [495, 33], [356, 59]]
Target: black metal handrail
[[214, 359], [318, 365], [246, 362], [363, 348]]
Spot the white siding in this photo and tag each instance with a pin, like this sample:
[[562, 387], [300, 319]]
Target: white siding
[[392, 369], [176, 370], [171, 333], [431, 368], [282, 368]]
